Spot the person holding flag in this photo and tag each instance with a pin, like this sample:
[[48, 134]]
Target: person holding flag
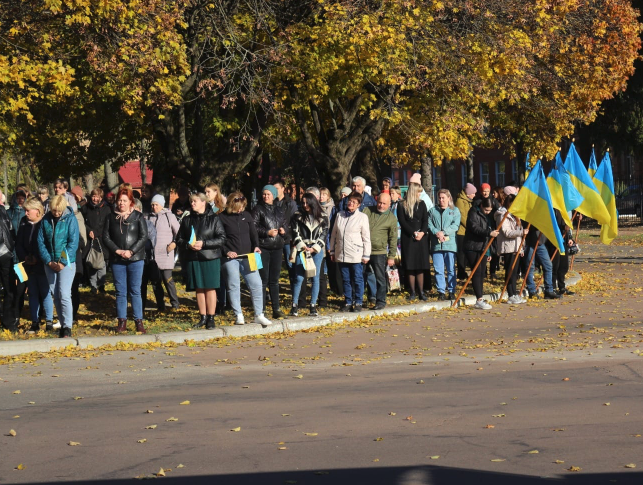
[[604, 181], [57, 244], [510, 244]]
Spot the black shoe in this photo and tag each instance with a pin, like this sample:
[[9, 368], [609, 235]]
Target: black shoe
[[442, 297], [49, 326], [294, 312], [102, 289], [379, 306], [357, 308], [534, 296], [372, 301], [202, 322], [278, 314], [422, 296], [209, 322], [35, 328], [451, 296], [313, 311], [550, 295], [346, 309], [411, 297], [565, 291], [93, 291], [65, 332]]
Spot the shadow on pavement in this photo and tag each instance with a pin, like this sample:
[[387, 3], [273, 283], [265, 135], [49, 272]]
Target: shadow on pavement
[[420, 475]]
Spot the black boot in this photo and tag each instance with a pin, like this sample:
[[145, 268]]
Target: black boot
[[201, 323], [313, 311], [209, 322]]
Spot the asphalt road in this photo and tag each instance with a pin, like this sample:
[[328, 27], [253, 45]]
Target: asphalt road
[[522, 395]]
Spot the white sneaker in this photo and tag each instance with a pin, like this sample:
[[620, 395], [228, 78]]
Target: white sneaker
[[262, 320], [520, 300], [56, 325], [240, 320], [482, 305]]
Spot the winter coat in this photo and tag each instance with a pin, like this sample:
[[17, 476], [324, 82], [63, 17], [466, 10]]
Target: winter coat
[[289, 207], [495, 204], [167, 227], [240, 231], [415, 254], [82, 230], [52, 241], [309, 233], [267, 217], [445, 220], [16, 213], [383, 227], [463, 203], [27, 245], [350, 241], [6, 233], [207, 228], [95, 217], [478, 230], [510, 233], [129, 234]]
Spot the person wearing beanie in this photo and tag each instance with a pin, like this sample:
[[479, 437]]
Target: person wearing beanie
[[485, 194], [346, 191], [463, 203], [270, 221]]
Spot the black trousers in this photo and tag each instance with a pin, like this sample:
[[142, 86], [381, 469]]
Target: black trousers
[[560, 266], [378, 264], [461, 259], [478, 277], [322, 298], [8, 279], [512, 276], [271, 260]]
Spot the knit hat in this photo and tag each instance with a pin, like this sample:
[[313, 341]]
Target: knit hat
[[510, 190], [77, 191], [158, 199], [272, 189], [485, 187], [416, 178], [387, 179], [346, 191], [470, 189]]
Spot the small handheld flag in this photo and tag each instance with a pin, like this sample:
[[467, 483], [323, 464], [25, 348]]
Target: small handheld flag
[[192, 236], [255, 262], [63, 256], [20, 272]]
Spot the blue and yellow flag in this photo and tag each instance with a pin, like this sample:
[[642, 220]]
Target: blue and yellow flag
[[63, 257], [192, 237], [533, 204], [604, 181], [20, 272], [255, 262], [591, 170], [564, 196], [593, 205]]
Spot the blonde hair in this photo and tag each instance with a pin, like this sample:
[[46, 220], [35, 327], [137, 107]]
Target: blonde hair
[[34, 203], [412, 198], [445, 191], [236, 202], [199, 195], [58, 203]]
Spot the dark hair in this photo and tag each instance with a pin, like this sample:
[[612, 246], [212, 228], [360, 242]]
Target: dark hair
[[62, 182], [313, 203], [355, 195], [508, 200], [485, 203]]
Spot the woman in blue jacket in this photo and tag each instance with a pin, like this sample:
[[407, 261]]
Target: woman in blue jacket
[[57, 243], [444, 221]]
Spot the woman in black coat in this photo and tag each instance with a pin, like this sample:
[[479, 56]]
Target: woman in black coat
[[201, 236], [95, 212], [271, 224], [479, 230]]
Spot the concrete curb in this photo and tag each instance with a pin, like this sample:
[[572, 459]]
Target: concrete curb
[[17, 347]]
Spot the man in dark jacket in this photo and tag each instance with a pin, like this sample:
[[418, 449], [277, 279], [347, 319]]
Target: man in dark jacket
[[358, 185], [7, 277], [290, 207]]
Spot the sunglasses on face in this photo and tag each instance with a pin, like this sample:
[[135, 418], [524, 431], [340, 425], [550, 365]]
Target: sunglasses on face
[[238, 199]]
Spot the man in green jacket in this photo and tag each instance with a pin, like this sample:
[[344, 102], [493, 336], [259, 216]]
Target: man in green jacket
[[383, 227]]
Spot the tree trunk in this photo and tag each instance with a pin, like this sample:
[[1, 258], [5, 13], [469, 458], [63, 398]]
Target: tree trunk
[[88, 180], [451, 176], [427, 175], [111, 177], [365, 165], [5, 164], [521, 156], [470, 172]]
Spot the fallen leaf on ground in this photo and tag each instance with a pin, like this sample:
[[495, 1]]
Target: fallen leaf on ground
[[299, 376], [489, 426], [149, 411], [16, 392], [141, 440], [558, 462], [236, 429], [533, 452], [160, 473], [20, 467], [73, 443], [16, 417], [12, 432], [171, 419], [630, 465], [32, 402], [151, 426], [498, 459], [606, 404], [311, 434], [435, 457], [378, 439], [77, 398], [376, 460], [285, 415], [180, 465], [574, 469], [392, 414], [282, 448], [185, 403]]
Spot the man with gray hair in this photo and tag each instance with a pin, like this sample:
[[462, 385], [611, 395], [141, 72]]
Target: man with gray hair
[[358, 184], [315, 191]]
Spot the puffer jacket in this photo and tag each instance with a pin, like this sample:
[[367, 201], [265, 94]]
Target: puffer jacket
[[478, 230], [445, 220], [289, 207], [27, 245], [95, 220], [130, 234], [309, 233], [64, 237], [167, 227], [511, 232], [6, 232], [16, 213], [207, 228], [267, 217], [463, 203], [350, 241]]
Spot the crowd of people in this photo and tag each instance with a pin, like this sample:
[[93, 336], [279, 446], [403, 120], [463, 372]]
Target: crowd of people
[[358, 246]]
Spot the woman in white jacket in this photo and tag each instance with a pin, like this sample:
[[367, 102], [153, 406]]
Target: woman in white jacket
[[350, 247], [509, 238]]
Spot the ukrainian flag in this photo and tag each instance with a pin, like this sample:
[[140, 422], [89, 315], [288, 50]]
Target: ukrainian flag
[[254, 261], [604, 181], [564, 195], [192, 237], [591, 170], [20, 272], [533, 204], [593, 205], [63, 255]]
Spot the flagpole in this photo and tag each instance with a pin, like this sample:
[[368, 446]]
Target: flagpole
[[514, 263], [531, 261], [484, 251]]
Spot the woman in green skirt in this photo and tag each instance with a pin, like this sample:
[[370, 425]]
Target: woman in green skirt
[[202, 236]]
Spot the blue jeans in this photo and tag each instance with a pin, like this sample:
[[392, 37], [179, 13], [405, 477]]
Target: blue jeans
[[353, 276], [300, 273], [60, 288], [127, 281], [233, 269], [38, 285], [542, 257], [444, 260]]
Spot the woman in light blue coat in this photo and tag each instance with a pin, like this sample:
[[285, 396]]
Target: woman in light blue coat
[[444, 220]]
